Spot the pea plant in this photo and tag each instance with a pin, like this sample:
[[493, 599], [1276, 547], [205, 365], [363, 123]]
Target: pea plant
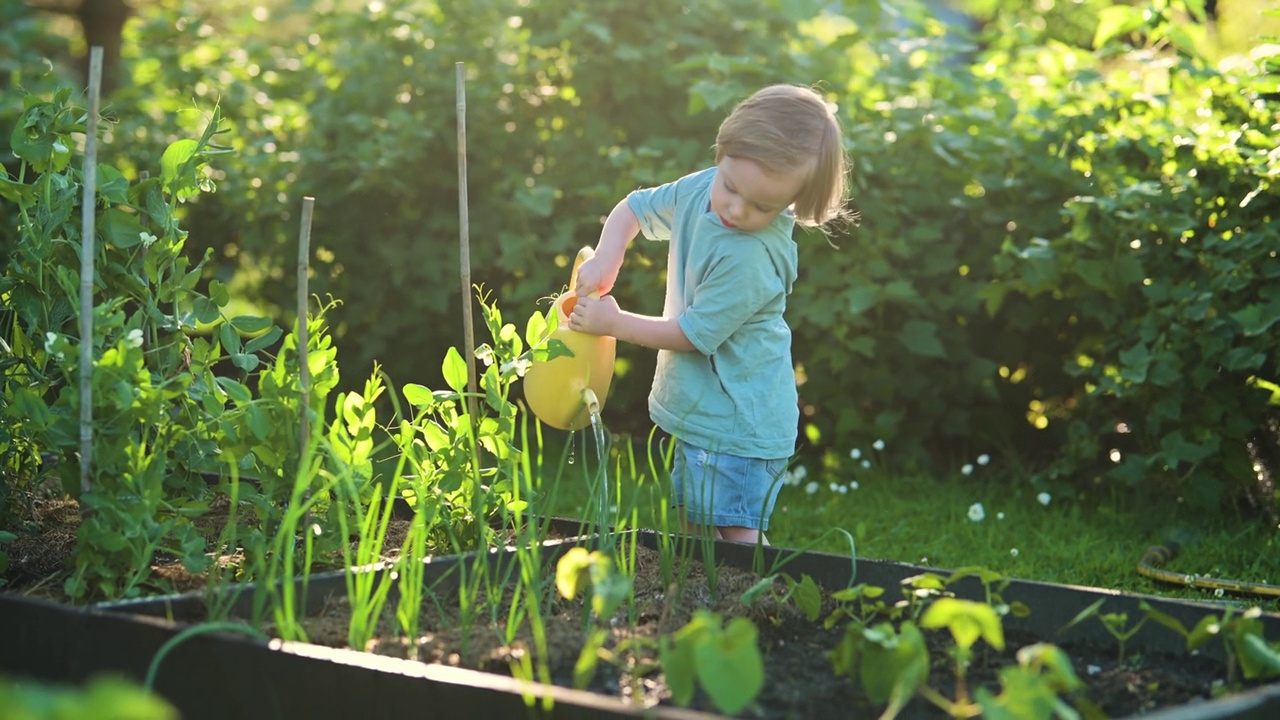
[[188, 398]]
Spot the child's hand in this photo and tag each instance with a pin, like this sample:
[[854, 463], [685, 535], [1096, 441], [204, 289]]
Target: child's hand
[[595, 316], [596, 275]]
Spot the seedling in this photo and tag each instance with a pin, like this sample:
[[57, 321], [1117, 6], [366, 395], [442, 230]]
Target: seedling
[[1116, 624]]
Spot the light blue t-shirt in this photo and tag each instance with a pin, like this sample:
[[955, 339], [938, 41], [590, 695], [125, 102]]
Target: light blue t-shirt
[[737, 393]]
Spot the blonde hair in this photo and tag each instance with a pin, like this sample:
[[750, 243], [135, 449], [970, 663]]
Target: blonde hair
[[787, 127]]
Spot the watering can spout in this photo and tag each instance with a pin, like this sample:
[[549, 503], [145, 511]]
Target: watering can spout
[[591, 401], [568, 391]]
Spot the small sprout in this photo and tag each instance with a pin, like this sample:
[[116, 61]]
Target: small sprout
[[1044, 498], [977, 512]]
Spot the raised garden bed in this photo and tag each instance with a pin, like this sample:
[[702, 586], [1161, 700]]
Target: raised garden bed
[[221, 676]]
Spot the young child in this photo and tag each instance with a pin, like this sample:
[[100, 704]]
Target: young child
[[724, 387]]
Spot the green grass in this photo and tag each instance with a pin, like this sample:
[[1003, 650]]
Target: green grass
[[1090, 541]]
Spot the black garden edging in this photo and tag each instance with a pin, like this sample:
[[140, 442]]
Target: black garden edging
[[226, 676]]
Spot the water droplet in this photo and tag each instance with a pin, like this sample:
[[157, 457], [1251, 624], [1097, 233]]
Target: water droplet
[[570, 459]]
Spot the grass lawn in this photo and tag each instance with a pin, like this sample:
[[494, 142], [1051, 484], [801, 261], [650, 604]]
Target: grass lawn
[[1093, 541]]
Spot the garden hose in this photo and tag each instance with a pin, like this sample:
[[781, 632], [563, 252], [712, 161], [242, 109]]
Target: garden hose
[[1157, 555]]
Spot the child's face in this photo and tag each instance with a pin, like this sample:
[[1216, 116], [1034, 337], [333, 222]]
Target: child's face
[[748, 197]]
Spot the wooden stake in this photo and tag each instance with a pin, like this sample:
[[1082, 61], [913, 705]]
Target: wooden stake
[[304, 369], [89, 207], [464, 240]]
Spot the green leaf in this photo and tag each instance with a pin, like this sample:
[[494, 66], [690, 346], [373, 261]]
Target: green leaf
[[455, 370], [206, 310], [250, 323], [235, 390], [1257, 658], [1115, 20], [967, 620], [808, 597], [730, 668], [921, 338], [119, 228], [419, 396], [573, 572], [176, 170], [1257, 319], [264, 340], [218, 293], [229, 338], [894, 666], [245, 361], [584, 670]]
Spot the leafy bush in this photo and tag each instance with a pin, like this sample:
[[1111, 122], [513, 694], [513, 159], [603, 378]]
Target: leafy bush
[[993, 298]]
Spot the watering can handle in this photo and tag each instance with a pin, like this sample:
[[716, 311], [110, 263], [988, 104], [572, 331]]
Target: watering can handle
[[584, 255]]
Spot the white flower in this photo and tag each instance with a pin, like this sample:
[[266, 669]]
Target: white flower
[[855, 453], [134, 338], [866, 464], [967, 469], [835, 487], [853, 485], [1217, 592], [983, 459], [878, 444], [1044, 498], [799, 473], [1013, 552], [49, 340], [999, 516], [976, 512], [147, 238], [811, 488], [844, 489], [60, 147]]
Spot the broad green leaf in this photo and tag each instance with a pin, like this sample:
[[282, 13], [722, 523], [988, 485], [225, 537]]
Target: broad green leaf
[[218, 293], [455, 370], [679, 667], [1257, 658], [229, 338], [205, 310], [250, 323], [893, 669], [921, 338], [419, 396], [175, 168], [730, 668], [264, 340], [573, 572], [807, 597], [245, 361], [967, 620], [119, 228], [235, 390]]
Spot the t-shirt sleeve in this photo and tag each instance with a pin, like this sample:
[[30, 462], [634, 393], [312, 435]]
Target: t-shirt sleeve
[[655, 208], [735, 287]]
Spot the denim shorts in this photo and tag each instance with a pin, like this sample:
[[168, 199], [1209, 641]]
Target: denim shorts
[[724, 490]]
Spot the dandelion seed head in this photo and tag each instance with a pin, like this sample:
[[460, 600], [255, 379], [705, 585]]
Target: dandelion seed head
[[855, 454], [866, 464], [1013, 552], [1044, 498], [977, 512], [1000, 516], [983, 459], [967, 469], [812, 488], [878, 444], [853, 485]]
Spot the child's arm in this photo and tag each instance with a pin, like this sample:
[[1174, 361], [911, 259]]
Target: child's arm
[[600, 272], [603, 317]]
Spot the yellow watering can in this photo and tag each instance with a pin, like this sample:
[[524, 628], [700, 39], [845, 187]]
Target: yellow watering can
[[565, 391]]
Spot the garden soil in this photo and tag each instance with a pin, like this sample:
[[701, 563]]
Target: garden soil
[[799, 681]]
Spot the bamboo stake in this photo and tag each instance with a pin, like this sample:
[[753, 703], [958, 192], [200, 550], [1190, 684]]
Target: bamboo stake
[[304, 370], [464, 240], [88, 207]]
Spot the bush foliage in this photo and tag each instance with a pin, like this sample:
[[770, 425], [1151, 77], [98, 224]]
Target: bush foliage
[[1066, 254]]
